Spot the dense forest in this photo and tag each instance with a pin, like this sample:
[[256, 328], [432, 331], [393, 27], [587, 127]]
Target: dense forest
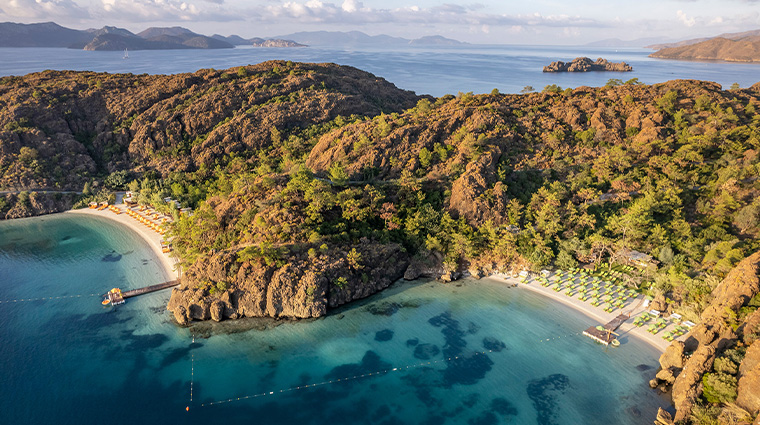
[[313, 185]]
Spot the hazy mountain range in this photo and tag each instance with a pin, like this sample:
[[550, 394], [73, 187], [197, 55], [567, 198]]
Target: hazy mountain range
[[50, 34], [353, 38]]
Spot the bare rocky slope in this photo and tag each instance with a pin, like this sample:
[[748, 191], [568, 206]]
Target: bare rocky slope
[[61, 129], [745, 49]]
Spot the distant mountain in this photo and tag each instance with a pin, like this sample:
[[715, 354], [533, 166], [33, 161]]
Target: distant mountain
[[338, 38], [746, 49], [46, 34], [50, 34], [155, 39], [435, 40], [235, 40], [110, 30], [358, 38], [616, 42], [729, 36]]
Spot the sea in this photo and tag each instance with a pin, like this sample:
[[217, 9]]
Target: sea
[[422, 352], [433, 70]]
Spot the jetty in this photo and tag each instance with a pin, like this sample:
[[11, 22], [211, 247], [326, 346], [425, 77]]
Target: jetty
[[606, 334], [116, 296]]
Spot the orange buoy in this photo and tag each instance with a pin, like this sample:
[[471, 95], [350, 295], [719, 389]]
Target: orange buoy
[[187, 409]]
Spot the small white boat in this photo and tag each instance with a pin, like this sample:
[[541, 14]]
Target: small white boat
[[126, 54]]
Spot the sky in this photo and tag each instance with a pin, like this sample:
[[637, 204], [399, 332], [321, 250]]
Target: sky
[[566, 22]]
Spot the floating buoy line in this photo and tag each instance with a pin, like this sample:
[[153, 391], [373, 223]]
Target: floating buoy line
[[344, 379], [23, 300]]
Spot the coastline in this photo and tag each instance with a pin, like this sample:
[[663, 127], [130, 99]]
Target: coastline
[[599, 316], [153, 239]]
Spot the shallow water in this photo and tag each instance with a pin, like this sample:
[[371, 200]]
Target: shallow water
[[435, 70], [73, 361]]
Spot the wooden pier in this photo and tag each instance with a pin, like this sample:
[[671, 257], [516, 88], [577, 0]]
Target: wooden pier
[[116, 296], [606, 334]]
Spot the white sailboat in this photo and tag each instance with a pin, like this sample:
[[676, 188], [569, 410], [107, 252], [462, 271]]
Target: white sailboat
[[126, 54]]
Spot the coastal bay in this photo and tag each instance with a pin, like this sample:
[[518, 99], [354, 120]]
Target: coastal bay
[[135, 354]]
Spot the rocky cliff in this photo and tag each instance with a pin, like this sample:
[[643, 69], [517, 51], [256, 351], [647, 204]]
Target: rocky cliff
[[225, 286], [684, 365], [30, 204], [584, 64]]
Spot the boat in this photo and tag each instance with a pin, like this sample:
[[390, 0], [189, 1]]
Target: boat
[[106, 301], [615, 343], [126, 54]]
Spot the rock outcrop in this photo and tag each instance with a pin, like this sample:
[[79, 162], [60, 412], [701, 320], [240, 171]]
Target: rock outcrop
[[584, 64], [221, 287], [749, 380], [684, 364], [30, 204], [425, 264]]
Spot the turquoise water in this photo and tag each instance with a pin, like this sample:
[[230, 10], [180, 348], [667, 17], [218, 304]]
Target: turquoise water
[[435, 70], [72, 361]]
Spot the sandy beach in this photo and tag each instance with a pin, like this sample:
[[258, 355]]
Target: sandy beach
[[171, 268], [597, 314]]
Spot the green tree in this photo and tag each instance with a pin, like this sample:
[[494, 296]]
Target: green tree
[[614, 82], [425, 157], [354, 259], [527, 89], [27, 155], [719, 387], [338, 174], [565, 260], [117, 179]]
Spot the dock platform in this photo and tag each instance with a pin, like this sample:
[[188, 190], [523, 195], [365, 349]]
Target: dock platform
[[116, 296], [605, 335], [149, 289]]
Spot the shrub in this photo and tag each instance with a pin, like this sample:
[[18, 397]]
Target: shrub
[[341, 282], [719, 387], [725, 365]]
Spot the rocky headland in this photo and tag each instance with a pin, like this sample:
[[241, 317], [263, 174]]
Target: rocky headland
[[725, 342], [584, 64], [746, 49]]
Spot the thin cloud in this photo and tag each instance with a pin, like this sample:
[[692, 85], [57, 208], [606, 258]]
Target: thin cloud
[[164, 11], [43, 9], [354, 12]]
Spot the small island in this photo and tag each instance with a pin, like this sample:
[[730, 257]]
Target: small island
[[584, 64]]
